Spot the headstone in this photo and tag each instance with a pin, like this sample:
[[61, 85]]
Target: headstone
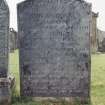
[[94, 33], [4, 30], [13, 40], [5, 97], [101, 40], [54, 48], [4, 33]]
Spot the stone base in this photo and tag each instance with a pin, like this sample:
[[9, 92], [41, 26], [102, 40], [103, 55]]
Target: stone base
[[69, 100], [12, 82], [5, 94]]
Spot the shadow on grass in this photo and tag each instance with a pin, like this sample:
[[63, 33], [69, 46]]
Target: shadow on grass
[[28, 101], [23, 101]]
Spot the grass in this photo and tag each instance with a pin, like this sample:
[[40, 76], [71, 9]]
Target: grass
[[14, 69], [97, 78]]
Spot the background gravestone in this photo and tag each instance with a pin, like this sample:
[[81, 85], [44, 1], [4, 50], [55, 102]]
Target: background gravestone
[[4, 36], [13, 40], [54, 48], [4, 33]]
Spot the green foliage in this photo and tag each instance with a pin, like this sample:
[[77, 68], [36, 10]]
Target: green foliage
[[97, 86]]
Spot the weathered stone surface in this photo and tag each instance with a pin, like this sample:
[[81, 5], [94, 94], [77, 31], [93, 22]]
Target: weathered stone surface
[[5, 97], [13, 40], [12, 82], [4, 36], [4, 31], [54, 48], [101, 40], [94, 34]]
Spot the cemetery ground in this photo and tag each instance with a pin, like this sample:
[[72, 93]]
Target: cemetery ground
[[97, 78]]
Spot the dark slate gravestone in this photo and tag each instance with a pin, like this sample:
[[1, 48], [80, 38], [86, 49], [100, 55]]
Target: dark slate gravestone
[[4, 33], [4, 30], [54, 48]]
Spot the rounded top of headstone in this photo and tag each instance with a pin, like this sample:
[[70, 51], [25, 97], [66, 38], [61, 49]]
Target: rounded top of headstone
[[54, 0], [28, 1], [4, 5], [86, 7]]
